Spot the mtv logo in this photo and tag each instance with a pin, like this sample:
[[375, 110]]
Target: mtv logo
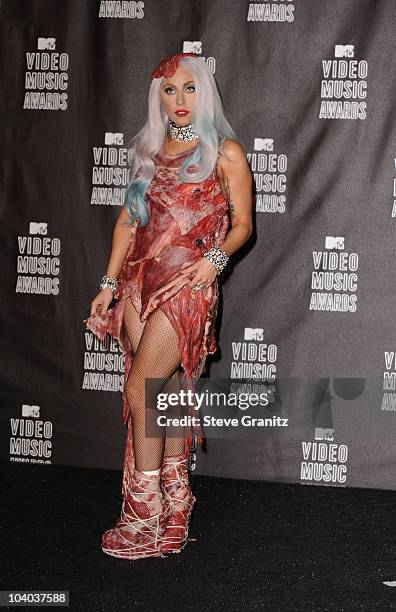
[[46, 43], [344, 51], [38, 228], [322, 433], [30, 411], [192, 46], [334, 242], [254, 333], [114, 138], [263, 144]]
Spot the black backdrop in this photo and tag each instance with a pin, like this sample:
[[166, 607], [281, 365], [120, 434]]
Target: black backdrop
[[309, 88]]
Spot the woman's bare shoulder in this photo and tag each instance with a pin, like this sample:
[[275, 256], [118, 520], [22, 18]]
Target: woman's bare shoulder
[[231, 154], [231, 151]]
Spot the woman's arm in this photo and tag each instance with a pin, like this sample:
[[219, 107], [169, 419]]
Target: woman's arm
[[234, 173], [120, 244], [119, 248]]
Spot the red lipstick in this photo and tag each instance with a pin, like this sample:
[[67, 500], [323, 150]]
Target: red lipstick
[[182, 112]]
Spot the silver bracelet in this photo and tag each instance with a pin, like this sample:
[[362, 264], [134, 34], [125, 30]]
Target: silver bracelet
[[218, 258], [111, 283]]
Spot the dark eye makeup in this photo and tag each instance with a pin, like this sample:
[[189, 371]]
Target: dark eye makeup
[[169, 88]]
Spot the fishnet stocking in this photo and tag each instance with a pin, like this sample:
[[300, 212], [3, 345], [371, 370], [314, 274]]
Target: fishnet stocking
[[174, 444], [156, 355]]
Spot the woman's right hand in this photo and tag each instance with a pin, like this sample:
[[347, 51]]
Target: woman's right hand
[[100, 303]]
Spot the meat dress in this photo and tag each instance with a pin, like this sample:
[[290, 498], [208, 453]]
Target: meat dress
[[185, 220]]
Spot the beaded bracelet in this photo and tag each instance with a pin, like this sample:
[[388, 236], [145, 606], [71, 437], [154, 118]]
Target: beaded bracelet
[[217, 257], [111, 283]]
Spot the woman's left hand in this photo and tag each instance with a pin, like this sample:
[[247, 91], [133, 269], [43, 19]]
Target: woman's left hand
[[205, 273]]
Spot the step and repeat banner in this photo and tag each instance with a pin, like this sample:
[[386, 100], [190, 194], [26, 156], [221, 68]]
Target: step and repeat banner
[[307, 306]]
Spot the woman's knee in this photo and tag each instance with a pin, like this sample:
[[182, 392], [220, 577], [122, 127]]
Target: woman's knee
[[142, 393]]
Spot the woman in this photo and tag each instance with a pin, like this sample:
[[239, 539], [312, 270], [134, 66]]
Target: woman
[[187, 173]]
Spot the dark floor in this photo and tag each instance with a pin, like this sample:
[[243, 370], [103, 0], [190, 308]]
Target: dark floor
[[259, 545]]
